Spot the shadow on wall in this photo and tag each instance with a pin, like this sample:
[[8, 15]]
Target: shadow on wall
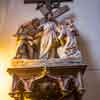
[[85, 50], [91, 79]]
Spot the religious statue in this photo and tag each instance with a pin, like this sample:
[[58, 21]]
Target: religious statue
[[32, 45], [69, 48], [49, 38], [26, 44], [48, 63]]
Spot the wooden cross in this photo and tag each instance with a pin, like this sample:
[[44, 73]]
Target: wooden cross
[[46, 6], [40, 1]]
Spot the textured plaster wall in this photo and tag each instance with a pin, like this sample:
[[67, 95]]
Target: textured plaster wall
[[89, 25], [13, 13]]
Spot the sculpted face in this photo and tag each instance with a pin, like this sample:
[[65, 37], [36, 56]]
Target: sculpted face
[[69, 22], [49, 16], [36, 23]]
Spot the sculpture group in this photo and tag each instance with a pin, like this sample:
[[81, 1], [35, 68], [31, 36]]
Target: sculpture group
[[51, 39]]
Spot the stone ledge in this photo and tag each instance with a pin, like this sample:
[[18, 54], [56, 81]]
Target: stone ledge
[[60, 66]]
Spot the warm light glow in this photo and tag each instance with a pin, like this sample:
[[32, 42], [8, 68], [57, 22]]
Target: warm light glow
[[5, 79]]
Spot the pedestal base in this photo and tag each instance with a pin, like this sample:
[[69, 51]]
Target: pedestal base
[[63, 79]]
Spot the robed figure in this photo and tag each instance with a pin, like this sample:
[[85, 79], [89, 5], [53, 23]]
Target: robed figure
[[49, 38]]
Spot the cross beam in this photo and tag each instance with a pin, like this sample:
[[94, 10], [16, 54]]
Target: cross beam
[[47, 6], [43, 1]]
